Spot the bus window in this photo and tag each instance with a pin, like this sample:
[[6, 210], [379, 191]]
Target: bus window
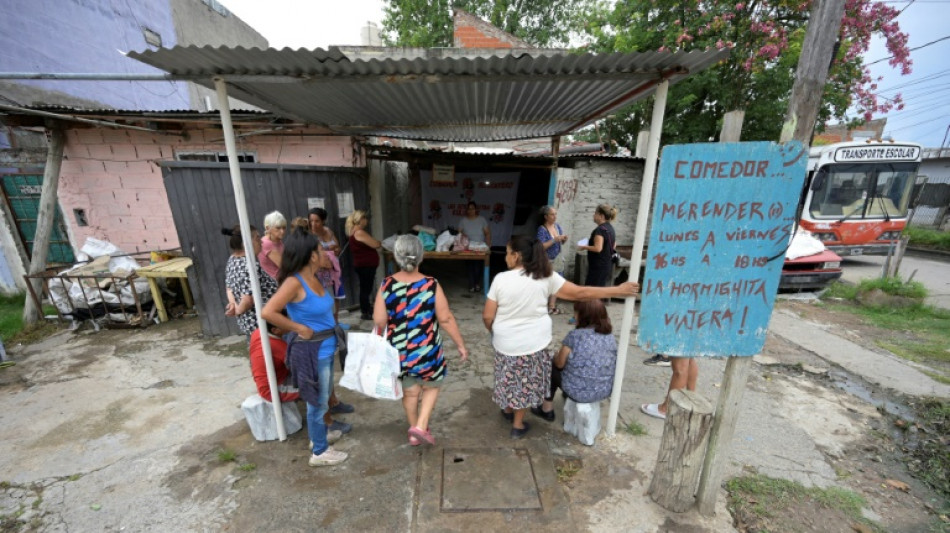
[[847, 191]]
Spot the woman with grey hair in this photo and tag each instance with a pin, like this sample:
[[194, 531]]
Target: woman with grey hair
[[272, 245], [410, 312]]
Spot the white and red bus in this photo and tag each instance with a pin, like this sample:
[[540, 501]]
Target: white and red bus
[[859, 194]]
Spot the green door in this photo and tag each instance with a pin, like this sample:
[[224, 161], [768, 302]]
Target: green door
[[22, 192]]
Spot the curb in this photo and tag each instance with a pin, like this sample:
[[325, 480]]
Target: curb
[[928, 253]]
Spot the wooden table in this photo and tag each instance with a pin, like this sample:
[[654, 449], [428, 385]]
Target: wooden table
[[173, 268], [447, 256]]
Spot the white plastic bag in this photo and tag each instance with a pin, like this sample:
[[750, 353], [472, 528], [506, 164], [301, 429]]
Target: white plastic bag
[[372, 367], [582, 420], [444, 242], [389, 242]]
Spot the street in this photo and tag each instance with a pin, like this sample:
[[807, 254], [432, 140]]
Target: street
[[933, 273]]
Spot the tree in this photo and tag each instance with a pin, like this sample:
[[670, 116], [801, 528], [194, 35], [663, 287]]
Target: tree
[[425, 23], [765, 37]]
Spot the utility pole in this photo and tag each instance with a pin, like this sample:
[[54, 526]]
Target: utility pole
[[817, 53], [812, 73]]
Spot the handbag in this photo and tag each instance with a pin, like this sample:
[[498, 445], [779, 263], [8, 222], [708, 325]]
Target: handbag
[[372, 367]]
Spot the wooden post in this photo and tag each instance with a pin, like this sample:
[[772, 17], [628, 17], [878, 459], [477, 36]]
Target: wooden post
[[46, 217], [731, 126], [734, 382], [680, 460], [817, 54], [723, 428]]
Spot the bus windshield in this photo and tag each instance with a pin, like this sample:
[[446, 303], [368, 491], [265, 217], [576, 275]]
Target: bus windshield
[[858, 191]]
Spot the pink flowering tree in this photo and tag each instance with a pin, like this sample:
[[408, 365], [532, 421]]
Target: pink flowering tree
[[765, 39]]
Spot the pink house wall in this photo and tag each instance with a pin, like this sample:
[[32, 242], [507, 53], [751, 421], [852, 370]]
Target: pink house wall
[[113, 176]]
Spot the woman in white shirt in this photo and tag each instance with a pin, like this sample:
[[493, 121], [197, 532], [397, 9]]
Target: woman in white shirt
[[516, 314]]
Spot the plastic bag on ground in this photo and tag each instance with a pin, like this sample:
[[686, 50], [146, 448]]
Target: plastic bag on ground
[[259, 414]]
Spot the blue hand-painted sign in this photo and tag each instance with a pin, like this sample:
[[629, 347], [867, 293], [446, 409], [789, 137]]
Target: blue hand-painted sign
[[722, 219]]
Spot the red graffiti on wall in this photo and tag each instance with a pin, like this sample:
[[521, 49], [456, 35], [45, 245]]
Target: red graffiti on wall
[[566, 191]]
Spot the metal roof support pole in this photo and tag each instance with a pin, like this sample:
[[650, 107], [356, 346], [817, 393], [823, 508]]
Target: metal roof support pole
[[643, 218], [235, 168], [555, 151]]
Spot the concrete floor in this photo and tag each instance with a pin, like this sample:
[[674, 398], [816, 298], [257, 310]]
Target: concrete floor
[[125, 429]]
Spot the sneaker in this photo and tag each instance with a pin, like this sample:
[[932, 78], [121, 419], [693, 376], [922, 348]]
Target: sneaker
[[657, 360], [342, 409], [519, 433], [342, 427], [332, 437], [329, 457]]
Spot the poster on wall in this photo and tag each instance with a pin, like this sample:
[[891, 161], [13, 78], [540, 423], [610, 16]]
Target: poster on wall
[[443, 202], [722, 218]]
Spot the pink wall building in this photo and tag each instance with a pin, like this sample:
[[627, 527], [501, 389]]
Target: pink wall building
[[111, 179]]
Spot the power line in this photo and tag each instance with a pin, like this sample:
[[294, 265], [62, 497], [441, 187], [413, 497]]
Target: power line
[[905, 8], [919, 123], [929, 77], [944, 38]]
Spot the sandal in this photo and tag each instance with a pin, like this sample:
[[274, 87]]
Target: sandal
[[653, 409], [554, 311], [422, 435], [413, 441]]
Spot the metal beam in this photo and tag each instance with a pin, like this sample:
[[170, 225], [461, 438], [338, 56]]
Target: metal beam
[[14, 157], [643, 218], [72, 118], [246, 236]]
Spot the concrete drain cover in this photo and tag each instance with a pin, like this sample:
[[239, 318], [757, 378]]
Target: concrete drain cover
[[488, 479]]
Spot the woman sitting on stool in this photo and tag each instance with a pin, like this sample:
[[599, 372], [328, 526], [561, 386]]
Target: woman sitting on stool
[[584, 367]]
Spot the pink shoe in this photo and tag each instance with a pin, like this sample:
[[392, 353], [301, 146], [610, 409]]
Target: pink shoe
[[422, 435], [413, 441]]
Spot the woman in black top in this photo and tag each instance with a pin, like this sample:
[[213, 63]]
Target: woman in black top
[[600, 247]]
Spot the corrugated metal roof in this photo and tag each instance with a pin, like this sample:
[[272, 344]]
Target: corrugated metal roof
[[500, 97]]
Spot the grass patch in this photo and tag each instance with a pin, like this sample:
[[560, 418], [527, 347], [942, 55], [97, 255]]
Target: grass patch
[[925, 329], [635, 428], [928, 238], [894, 287], [567, 467], [757, 501], [226, 456], [11, 322], [247, 467], [840, 291], [931, 462]]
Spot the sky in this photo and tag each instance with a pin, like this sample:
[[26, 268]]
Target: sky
[[926, 91]]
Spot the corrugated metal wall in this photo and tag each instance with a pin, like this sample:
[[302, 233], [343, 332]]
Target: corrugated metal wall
[[202, 202]]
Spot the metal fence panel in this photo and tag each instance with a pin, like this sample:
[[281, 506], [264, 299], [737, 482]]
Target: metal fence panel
[[202, 202]]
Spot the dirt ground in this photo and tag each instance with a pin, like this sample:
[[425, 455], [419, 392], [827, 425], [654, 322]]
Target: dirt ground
[[876, 466]]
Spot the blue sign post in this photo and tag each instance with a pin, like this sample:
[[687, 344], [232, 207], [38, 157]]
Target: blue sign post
[[722, 219]]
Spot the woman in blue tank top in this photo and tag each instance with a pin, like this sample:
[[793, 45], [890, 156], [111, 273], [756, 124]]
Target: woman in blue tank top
[[314, 333]]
